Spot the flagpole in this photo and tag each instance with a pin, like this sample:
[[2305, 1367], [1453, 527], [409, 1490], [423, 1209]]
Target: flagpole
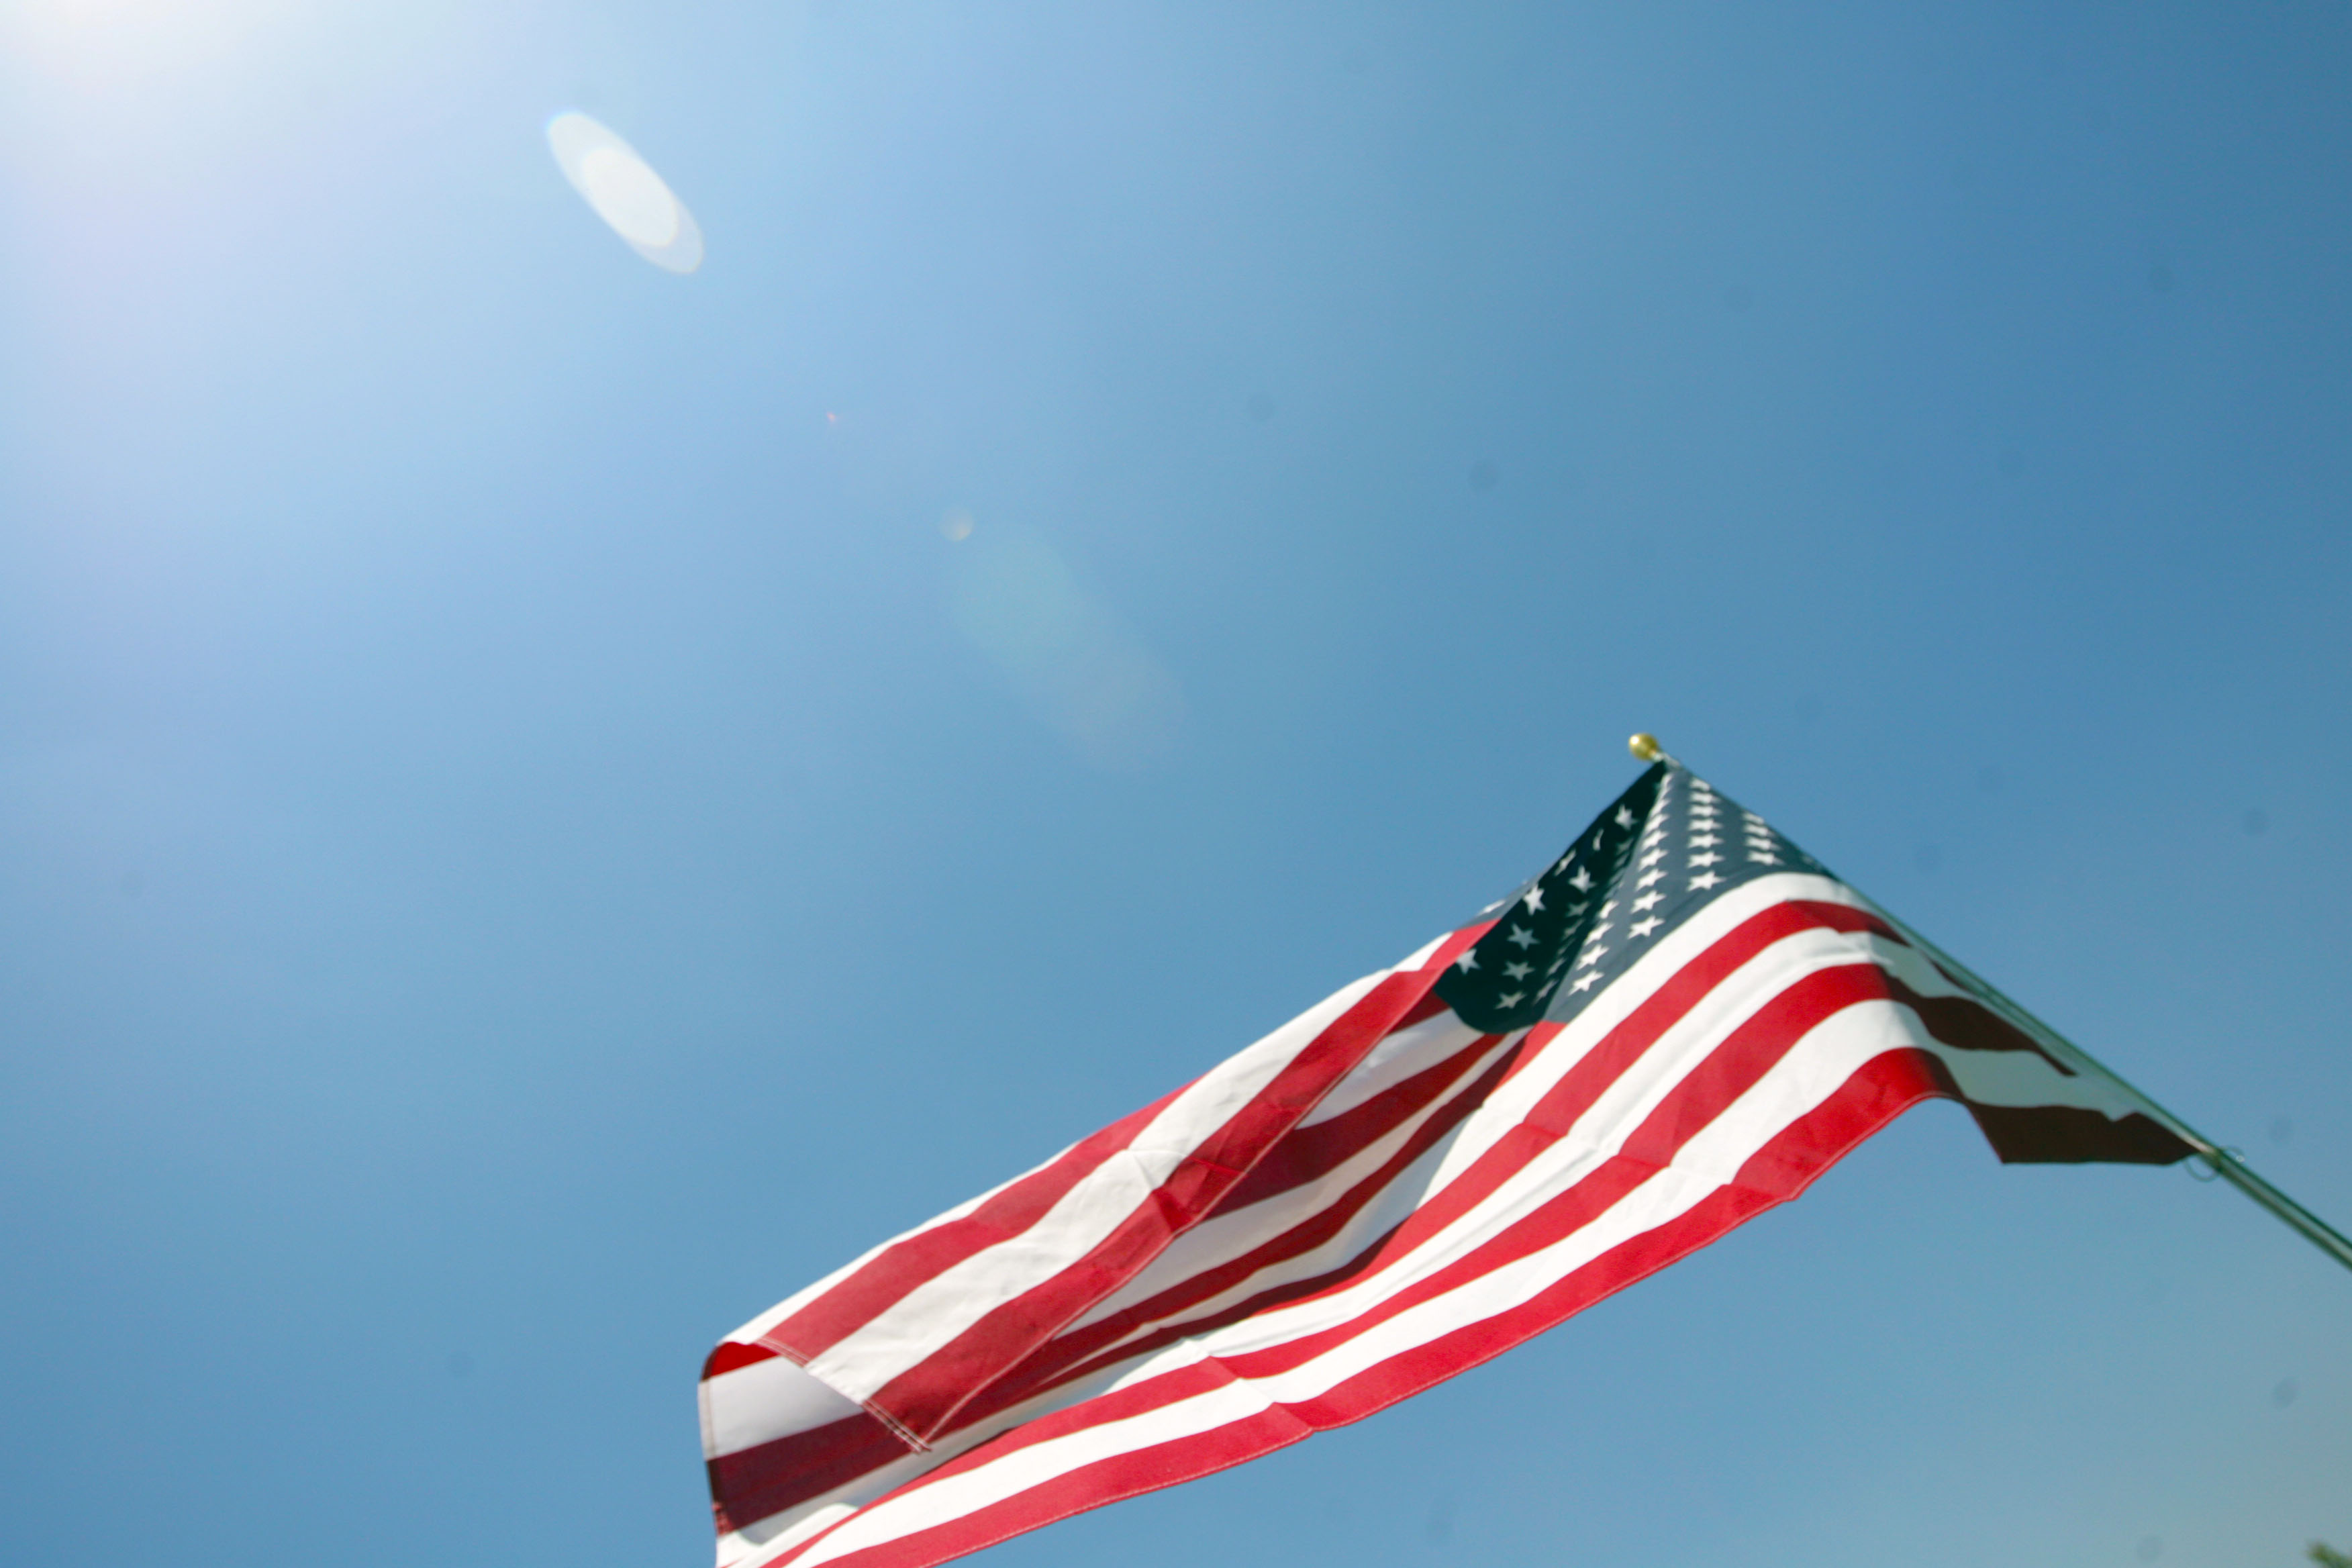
[[2227, 1163]]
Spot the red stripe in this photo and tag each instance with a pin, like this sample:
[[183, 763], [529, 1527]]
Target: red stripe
[[1578, 1089], [1966, 1025], [907, 1263], [1745, 1055], [1080, 1353], [1552, 1117], [2066, 1134], [1583, 1084], [730, 1355], [754, 1483], [926, 1396], [1709, 1088], [1310, 1153], [1787, 1163], [1107, 1481], [1702, 1095], [759, 1482]]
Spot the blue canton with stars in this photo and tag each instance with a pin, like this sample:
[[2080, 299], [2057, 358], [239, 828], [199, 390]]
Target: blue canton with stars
[[1669, 846]]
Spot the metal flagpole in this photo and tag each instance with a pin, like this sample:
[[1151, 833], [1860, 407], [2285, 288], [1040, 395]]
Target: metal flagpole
[[2227, 1163]]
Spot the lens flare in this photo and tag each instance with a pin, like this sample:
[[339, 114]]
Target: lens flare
[[1065, 652], [623, 190]]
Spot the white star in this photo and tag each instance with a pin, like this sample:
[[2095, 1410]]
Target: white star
[[1646, 901], [1521, 937], [1653, 858], [1512, 1000], [1606, 910], [1764, 856], [1705, 859], [1581, 882], [1704, 879], [1649, 877], [1517, 970], [1557, 964], [1586, 980], [1595, 935], [1533, 898], [1468, 961], [1592, 956], [1576, 912], [1644, 927], [1625, 817], [1705, 840]]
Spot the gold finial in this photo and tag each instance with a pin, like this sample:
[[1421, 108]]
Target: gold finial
[[1645, 746]]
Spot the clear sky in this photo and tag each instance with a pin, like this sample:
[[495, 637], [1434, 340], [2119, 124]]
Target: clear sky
[[524, 837]]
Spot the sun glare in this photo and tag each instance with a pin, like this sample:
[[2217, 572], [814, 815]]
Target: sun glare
[[116, 44]]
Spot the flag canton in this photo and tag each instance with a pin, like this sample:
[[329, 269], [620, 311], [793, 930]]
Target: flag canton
[[1668, 846]]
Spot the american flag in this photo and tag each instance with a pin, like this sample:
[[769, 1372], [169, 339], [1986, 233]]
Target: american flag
[[1680, 1023]]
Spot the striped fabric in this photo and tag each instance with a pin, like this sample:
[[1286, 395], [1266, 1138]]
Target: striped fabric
[[1680, 1025]]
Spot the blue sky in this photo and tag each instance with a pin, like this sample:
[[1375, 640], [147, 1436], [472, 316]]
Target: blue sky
[[524, 839]]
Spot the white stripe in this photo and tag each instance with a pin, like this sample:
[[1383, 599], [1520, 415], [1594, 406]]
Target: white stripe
[[1609, 1008], [750, 1332], [779, 1534], [1810, 1073], [762, 1402], [946, 1500], [1689, 1043], [1596, 1137], [1815, 1069], [1616, 1001], [1397, 1057], [1825, 1058], [928, 1318], [1224, 1238], [2003, 1078], [1391, 1207]]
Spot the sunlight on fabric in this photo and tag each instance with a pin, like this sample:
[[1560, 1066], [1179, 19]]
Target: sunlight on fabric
[[625, 192]]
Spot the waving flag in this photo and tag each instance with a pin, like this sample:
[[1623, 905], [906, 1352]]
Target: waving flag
[[1680, 1023]]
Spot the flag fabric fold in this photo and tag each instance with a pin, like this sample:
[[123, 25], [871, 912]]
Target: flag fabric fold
[[1680, 1023]]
